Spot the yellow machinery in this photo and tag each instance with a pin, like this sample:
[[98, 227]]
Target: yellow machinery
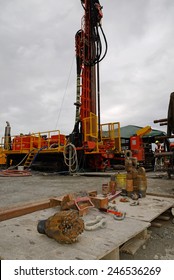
[[2, 157], [136, 143], [143, 131]]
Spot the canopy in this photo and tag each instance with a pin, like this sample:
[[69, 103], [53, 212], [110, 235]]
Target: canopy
[[130, 130]]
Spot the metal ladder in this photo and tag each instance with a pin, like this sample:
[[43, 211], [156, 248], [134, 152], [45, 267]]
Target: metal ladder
[[29, 159]]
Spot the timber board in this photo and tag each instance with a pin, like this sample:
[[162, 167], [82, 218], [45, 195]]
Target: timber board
[[19, 238], [149, 208]]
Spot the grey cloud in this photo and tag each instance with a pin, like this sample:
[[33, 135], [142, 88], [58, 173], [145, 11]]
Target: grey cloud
[[37, 80]]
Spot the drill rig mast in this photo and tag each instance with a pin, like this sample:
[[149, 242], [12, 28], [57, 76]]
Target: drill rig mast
[[88, 55]]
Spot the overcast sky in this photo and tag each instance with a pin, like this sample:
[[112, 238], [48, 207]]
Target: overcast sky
[[37, 63]]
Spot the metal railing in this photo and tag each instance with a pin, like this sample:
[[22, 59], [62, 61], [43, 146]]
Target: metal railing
[[40, 140], [90, 127], [110, 132]]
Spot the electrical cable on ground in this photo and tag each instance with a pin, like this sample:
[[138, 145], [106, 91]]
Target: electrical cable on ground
[[14, 173]]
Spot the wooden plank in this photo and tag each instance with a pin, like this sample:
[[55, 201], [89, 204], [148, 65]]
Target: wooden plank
[[7, 213], [113, 255], [163, 218], [134, 244], [155, 224], [161, 195], [148, 209], [23, 210]]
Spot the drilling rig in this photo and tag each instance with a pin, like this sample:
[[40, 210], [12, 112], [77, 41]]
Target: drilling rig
[[91, 145], [99, 144]]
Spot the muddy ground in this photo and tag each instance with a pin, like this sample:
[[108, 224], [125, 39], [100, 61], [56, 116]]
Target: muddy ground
[[18, 190]]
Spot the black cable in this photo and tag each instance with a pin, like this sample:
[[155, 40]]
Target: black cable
[[106, 44], [98, 48], [82, 5]]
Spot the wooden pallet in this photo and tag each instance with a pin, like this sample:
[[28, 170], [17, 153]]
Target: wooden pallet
[[19, 238], [24, 242]]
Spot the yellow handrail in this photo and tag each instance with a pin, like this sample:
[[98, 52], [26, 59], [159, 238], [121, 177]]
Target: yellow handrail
[[48, 139], [111, 132]]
